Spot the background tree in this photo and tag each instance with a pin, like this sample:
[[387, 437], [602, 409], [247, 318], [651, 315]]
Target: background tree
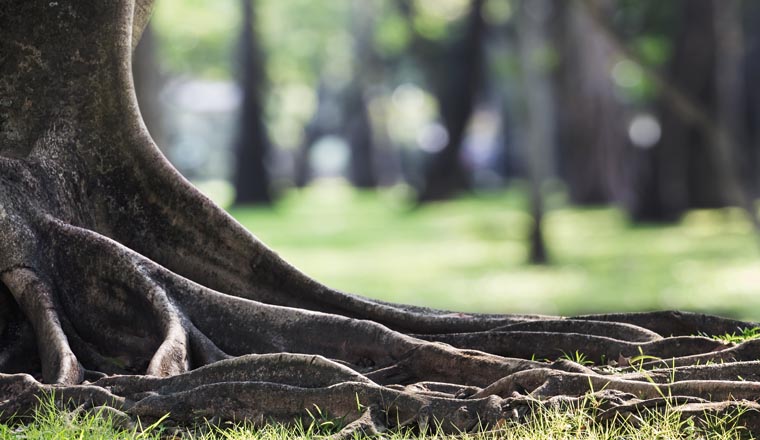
[[533, 47], [591, 119], [252, 182], [455, 74], [752, 103], [357, 124]]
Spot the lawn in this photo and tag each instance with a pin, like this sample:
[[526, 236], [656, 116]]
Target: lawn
[[570, 423], [470, 254]]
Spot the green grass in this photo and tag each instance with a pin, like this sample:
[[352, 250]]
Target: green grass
[[576, 421], [739, 336], [470, 254], [50, 422]]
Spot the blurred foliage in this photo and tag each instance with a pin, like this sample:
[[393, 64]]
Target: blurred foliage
[[301, 39], [469, 254], [306, 44], [433, 18], [197, 36]]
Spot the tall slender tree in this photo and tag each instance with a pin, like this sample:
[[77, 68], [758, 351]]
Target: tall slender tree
[[456, 76], [751, 24], [591, 119], [252, 146], [357, 126], [533, 42]]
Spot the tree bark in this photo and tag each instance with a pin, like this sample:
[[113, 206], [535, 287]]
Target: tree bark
[[122, 286]]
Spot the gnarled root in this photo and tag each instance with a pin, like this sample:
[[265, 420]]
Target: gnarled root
[[158, 343]]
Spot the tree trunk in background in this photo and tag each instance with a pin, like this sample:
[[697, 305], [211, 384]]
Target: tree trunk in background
[[358, 131], [679, 172], [148, 83], [302, 173], [533, 44], [357, 125], [252, 182], [325, 121], [730, 92], [456, 82], [591, 120], [752, 102]]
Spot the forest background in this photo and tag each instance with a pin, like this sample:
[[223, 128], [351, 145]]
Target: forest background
[[544, 156]]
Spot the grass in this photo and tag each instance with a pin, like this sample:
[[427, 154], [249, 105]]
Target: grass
[[559, 423], [470, 254], [49, 422], [739, 336]]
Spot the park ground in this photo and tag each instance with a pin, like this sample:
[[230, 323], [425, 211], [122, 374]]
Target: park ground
[[469, 254]]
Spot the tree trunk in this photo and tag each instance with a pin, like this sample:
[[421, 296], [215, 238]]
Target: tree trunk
[[357, 124], [675, 174], [456, 81], [533, 41], [252, 183], [592, 134], [122, 286], [752, 100], [730, 95]]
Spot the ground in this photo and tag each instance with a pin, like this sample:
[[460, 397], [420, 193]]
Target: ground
[[707, 262]]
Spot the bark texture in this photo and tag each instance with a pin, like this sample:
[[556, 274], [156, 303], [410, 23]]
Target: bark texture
[[123, 287]]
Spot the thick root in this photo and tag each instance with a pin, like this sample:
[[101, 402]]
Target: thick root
[[35, 297], [162, 344]]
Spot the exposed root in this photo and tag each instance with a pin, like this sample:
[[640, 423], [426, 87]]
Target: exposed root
[[597, 349], [728, 371], [160, 343], [615, 330], [675, 323], [35, 297]]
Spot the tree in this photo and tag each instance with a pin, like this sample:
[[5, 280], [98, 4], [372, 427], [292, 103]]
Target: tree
[[671, 177], [124, 287], [357, 126], [456, 77], [590, 117], [252, 145], [539, 114], [148, 83]]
